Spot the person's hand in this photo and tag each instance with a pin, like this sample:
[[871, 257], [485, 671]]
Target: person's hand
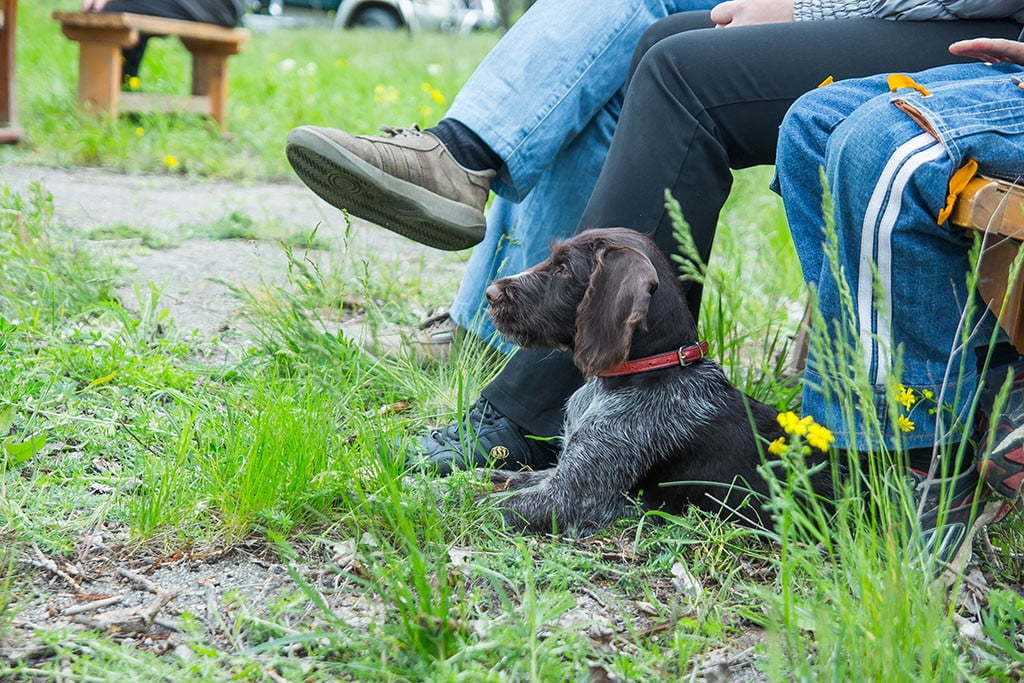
[[990, 49], [94, 5], [750, 12]]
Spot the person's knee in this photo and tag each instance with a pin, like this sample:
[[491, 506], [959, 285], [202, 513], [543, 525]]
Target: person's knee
[[664, 63], [665, 28], [863, 143], [794, 130], [805, 129]]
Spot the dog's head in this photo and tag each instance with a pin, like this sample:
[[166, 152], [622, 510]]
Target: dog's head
[[590, 296]]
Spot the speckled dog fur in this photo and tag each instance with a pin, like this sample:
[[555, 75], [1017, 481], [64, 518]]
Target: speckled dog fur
[[668, 438]]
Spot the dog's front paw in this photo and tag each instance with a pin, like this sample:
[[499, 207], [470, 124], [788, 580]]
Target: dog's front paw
[[506, 480]]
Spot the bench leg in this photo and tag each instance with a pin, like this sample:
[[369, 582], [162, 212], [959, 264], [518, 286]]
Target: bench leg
[[993, 283], [210, 78], [99, 77]]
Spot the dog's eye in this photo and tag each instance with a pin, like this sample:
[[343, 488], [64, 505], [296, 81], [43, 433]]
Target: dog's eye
[[561, 270]]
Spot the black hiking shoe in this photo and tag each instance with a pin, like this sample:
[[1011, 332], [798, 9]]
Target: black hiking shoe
[[484, 437], [1002, 443], [948, 512]]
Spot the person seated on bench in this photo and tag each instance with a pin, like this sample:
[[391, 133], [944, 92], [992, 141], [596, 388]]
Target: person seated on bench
[[894, 149], [536, 130], [227, 13], [700, 101]]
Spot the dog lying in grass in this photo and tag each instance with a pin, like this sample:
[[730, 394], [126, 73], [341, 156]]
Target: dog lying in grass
[[635, 428]]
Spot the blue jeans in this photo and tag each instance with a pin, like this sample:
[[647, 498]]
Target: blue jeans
[[546, 99], [900, 289]]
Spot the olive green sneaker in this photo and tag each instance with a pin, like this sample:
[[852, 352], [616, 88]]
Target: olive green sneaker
[[406, 181], [435, 337]]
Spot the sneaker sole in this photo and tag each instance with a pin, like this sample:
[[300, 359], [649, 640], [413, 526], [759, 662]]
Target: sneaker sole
[[347, 182]]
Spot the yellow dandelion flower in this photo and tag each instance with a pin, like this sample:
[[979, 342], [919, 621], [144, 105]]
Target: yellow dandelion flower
[[436, 95], [777, 447], [905, 396], [134, 82], [171, 162], [927, 393], [819, 437], [139, 131], [905, 423], [385, 94], [793, 424], [427, 87]]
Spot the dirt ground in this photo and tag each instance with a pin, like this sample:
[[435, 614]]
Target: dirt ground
[[192, 273]]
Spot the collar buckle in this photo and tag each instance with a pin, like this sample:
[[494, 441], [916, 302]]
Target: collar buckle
[[687, 360]]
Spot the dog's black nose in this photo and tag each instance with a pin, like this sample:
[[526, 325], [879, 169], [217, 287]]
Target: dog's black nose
[[494, 294]]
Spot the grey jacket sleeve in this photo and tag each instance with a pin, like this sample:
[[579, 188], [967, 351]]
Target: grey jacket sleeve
[[909, 10]]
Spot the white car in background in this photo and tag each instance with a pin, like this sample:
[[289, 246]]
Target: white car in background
[[413, 15]]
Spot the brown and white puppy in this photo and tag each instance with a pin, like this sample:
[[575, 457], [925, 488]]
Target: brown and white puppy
[[671, 437]]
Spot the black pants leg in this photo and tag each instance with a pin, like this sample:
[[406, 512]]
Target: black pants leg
[[223, 12], [701, 102]]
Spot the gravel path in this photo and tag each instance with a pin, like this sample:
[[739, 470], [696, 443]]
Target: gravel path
[[191, 274]]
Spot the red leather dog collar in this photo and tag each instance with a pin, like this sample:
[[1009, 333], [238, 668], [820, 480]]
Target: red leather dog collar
[[682, 356]]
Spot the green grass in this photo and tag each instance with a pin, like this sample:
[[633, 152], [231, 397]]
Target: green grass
[[350, 80], [118, 420]]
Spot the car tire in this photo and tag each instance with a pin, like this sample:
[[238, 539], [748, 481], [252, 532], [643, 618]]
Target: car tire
[[376, 17]]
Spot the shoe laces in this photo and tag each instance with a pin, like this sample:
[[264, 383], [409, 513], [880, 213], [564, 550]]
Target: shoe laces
[[479, 415], [413, 130], [440, 321]]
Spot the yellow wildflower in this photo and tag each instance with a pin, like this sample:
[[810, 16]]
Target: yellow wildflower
[[171, 162], [385, 94], [436, 95], [427, 87], [819, 437], [777, 447], [134, 82], [927, 393], [793, 424], [905, 396], [905, 423], [425, 111], [103, 380], [139, 131]]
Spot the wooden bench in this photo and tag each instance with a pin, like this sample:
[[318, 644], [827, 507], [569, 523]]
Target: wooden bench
[[997, 207], [9, 131], [101, 35]]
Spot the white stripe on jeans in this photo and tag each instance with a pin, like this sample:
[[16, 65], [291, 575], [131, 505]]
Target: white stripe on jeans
[[880, 218]]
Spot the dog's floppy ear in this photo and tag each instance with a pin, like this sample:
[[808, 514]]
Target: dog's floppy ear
[[614, 304]]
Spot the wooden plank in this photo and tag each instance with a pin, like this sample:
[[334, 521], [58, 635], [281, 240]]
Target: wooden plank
[[119, 36], [992, 285], [99, 77], [152, 25], [10, 132], [210, 78], [164, 104], [208, 47], [987, 204], [997, 207], [10, 135]]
